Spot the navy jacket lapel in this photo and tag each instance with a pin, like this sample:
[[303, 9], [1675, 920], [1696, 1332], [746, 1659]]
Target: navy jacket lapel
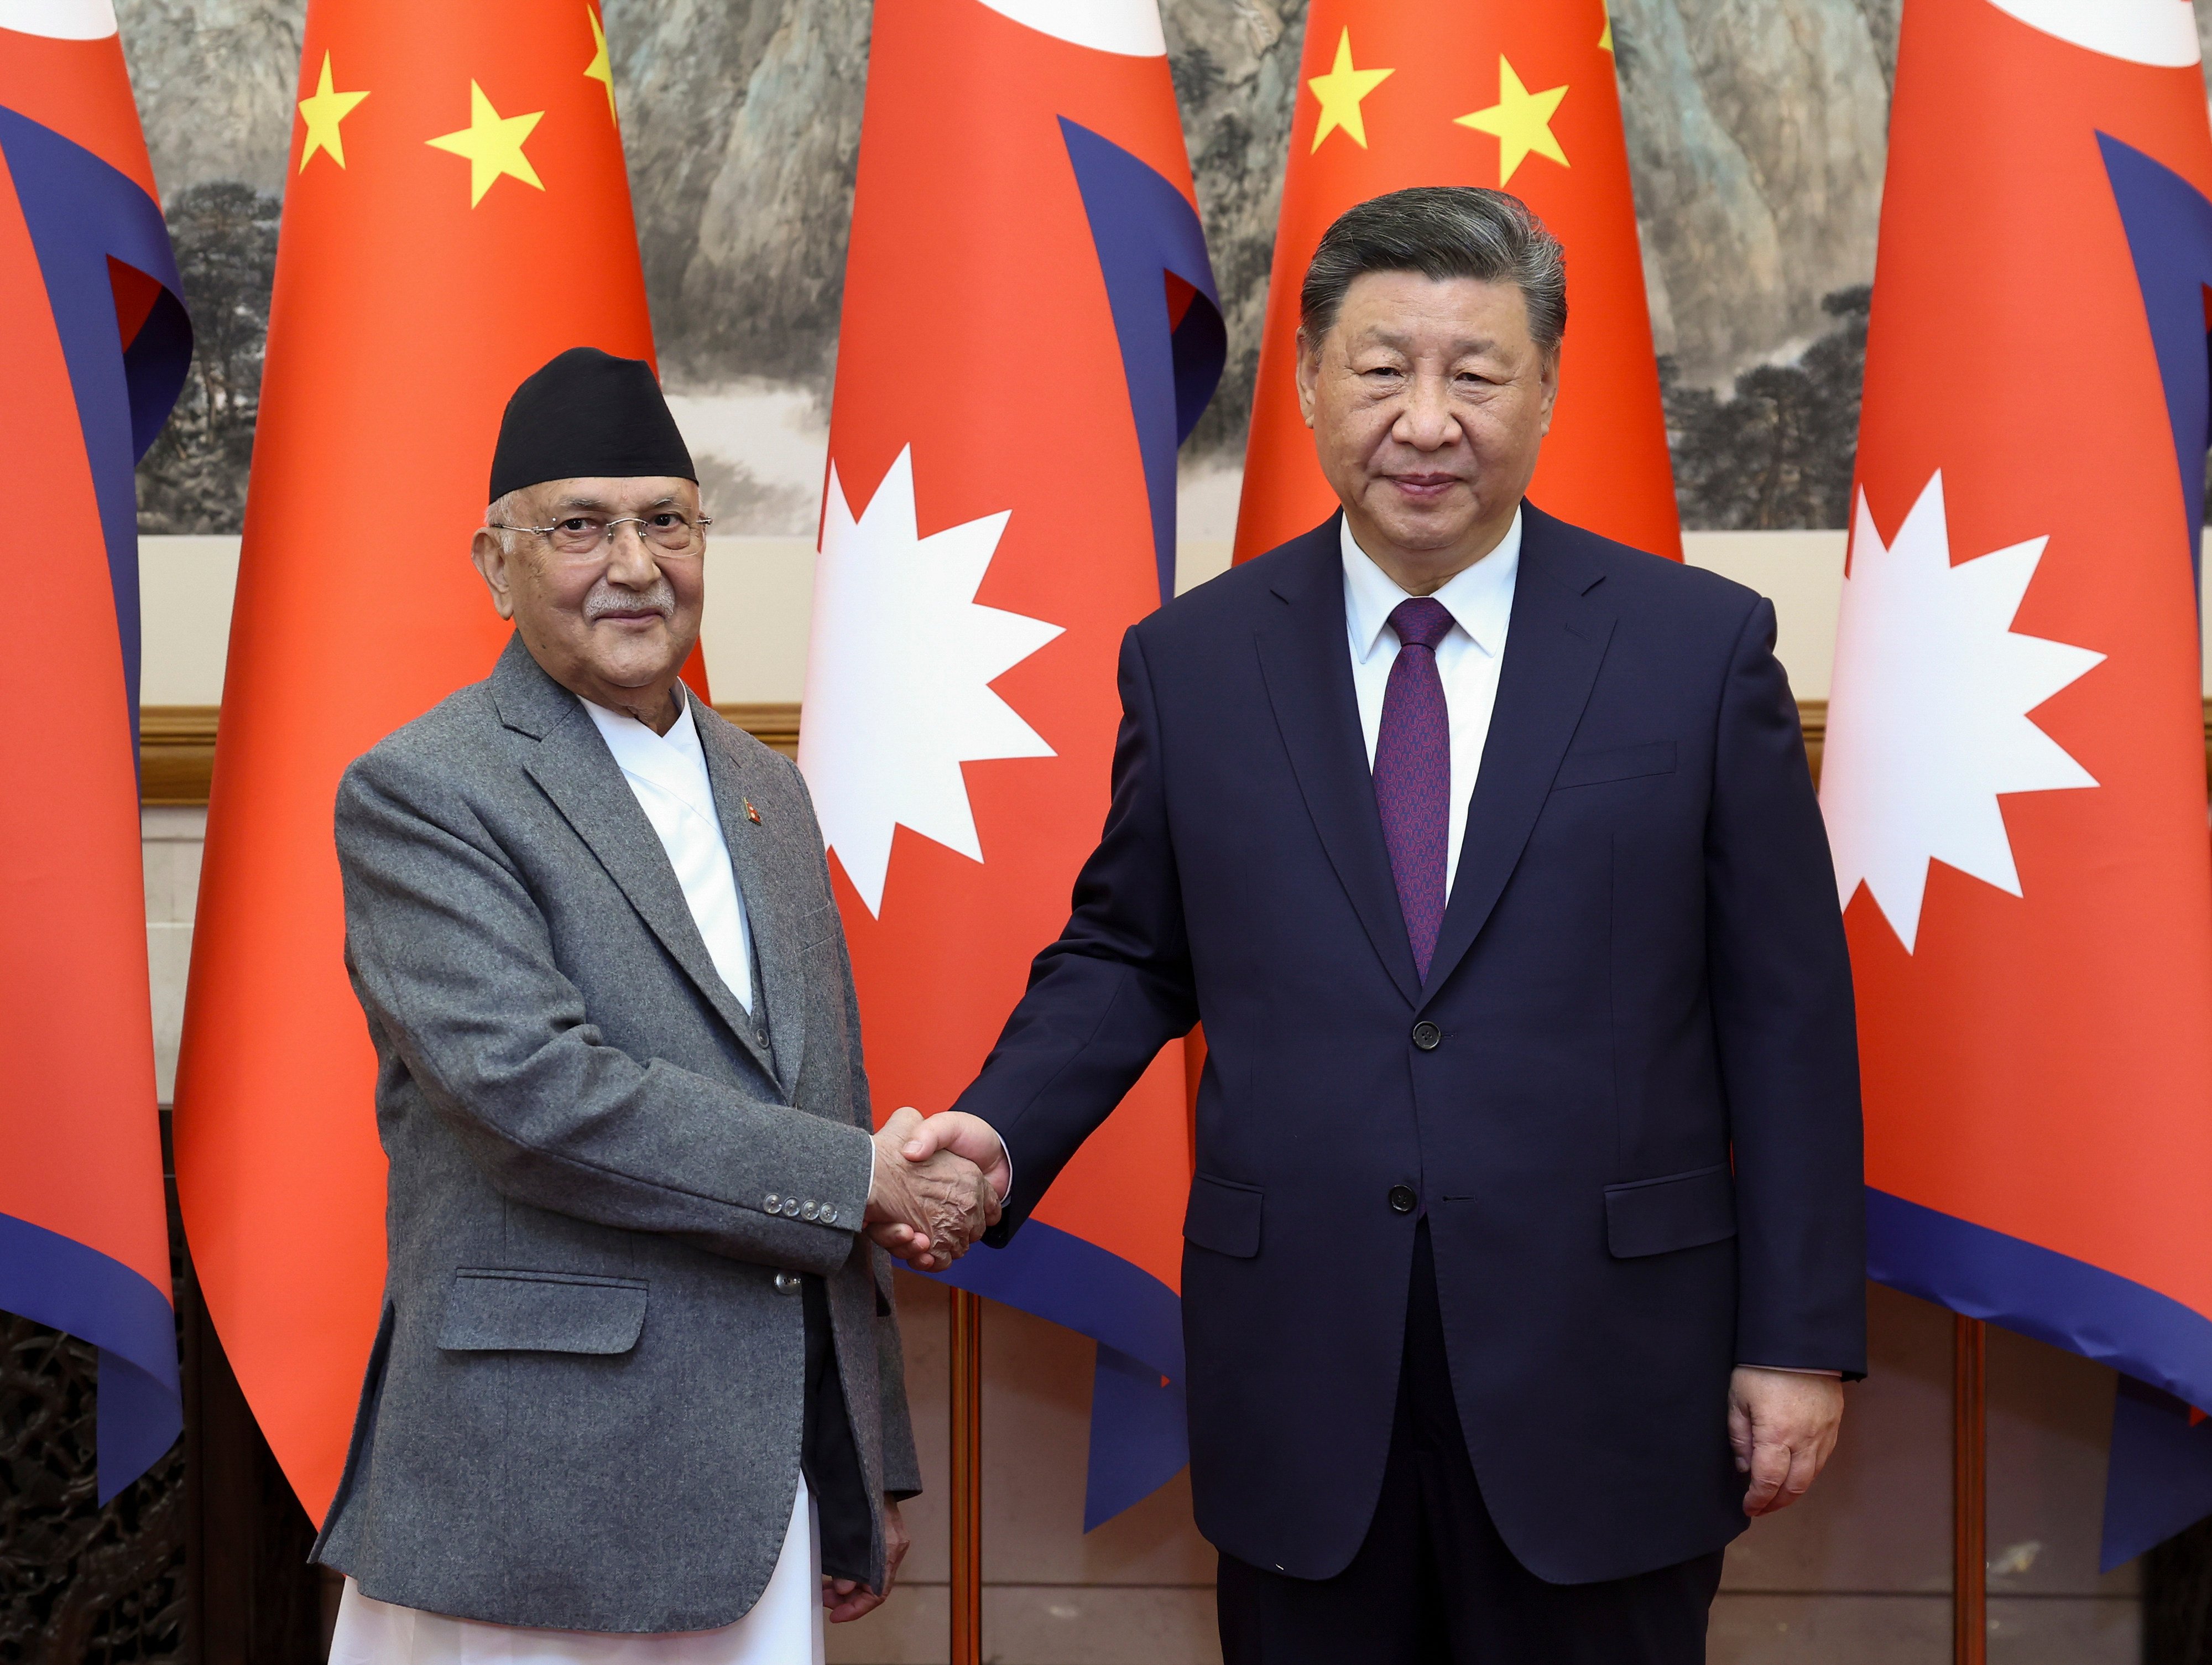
[[735, 778], [579, 775], [1305, 658], [1554, 647]]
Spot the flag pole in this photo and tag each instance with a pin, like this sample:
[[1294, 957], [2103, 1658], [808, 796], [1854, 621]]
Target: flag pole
[[1970, 1339], [967, 1591]]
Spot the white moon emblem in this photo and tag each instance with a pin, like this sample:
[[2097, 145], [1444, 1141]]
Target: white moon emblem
[[2161, 32]]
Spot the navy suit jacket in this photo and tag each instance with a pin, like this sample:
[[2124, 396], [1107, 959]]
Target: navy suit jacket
[[1626, 1096]]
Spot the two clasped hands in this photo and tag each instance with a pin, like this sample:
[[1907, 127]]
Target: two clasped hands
[[937, 1186]]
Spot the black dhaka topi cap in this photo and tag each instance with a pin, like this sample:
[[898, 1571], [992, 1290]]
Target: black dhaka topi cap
[[588, 414]]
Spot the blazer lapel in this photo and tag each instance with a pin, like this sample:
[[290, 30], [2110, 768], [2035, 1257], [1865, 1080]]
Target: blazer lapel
[[572, 765], [1305, 659], [1554, 647], [736, 779]]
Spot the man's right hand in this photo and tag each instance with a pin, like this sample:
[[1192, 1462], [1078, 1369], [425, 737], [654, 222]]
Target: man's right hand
[[928, 1209], [964, 1135]]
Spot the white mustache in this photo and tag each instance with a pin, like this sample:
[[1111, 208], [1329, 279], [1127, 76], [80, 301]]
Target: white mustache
[[606, 598]]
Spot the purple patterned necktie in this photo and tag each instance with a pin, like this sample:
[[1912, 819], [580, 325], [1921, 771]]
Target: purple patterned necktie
[[1413, 773]]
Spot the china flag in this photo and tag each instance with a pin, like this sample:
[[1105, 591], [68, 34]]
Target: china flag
[[1518, 98], [456, 213], [2015, 780], [1029, 331]]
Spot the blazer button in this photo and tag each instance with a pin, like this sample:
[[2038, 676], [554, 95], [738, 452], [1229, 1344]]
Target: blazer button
[[808, 1210], [1427, 1036], [786, 1282], [1402, 1199], [774, 1203]]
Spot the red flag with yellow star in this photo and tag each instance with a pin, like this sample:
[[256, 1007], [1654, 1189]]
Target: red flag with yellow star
[[1518, 98], [457, 213]]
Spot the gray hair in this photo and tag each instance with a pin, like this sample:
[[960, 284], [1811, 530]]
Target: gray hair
[[512, 510], [1443, 232]]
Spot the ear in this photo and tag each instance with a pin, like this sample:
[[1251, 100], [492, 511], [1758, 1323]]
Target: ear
[[1309, 374], [1549, 380], [491, 560]]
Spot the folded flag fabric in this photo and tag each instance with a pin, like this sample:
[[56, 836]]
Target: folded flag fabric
[[1030, 328], [94, 348], [456, 213], [2014, 778]]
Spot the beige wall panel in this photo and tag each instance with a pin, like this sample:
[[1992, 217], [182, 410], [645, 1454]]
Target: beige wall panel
[[171, 841], [1851, 1629], [184, 586]]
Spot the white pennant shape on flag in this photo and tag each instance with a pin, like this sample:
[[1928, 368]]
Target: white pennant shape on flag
[[899, 667]]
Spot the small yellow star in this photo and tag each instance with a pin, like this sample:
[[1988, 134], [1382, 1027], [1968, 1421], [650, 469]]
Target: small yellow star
[[323, 110], [1605, 41], [1340, 92], [600, 68], [1521, 121], [493, 144]]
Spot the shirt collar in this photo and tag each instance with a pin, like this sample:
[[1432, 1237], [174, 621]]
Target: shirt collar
[[1480, 599], [676, 762]]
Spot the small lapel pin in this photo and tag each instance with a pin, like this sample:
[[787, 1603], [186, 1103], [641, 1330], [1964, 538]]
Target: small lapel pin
[[752, 814]]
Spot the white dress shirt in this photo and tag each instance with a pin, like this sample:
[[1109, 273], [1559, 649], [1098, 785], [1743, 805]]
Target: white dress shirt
[[667, 775], [1481, 602]]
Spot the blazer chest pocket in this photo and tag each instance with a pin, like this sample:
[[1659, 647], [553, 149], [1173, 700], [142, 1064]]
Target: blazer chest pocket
[[542, 1312], [1678, 1211], [1224, 1217], [1615, 763]]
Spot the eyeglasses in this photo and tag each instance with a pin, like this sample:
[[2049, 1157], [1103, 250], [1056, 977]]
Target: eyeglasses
[[585, 534]]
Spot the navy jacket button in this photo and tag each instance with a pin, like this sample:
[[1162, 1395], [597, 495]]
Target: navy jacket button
[[1402, 1199], [1427, 1036]]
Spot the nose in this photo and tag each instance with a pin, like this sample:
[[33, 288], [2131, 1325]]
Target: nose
[[1425, 421], [629, 563]]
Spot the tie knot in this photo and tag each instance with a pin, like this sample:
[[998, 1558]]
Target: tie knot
[[1421, 623]]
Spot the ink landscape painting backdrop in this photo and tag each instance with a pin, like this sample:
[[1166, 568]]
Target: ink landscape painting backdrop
[[1755, 132]]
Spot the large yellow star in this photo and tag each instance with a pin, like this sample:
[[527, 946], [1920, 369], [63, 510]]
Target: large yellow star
[[493, 144], [1521, 121], [600, 68], [323, 110], [1341, 91]]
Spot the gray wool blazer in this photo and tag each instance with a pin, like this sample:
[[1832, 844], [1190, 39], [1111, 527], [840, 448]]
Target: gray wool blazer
[[583, 1407]]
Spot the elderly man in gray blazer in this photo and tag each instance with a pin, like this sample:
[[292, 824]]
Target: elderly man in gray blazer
[[638, 1371]]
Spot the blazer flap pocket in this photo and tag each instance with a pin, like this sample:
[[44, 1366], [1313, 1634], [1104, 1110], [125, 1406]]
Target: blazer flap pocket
[[1224, 1217], [1615, 763], [542, 1312], [1682, 1210]]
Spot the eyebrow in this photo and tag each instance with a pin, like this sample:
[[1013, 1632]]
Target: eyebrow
[[1472, 348], [661, 502]]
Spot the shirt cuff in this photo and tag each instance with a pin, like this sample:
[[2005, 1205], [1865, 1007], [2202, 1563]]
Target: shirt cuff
[[1793, 1371]]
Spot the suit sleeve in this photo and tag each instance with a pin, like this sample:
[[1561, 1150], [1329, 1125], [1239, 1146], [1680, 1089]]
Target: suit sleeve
[[1112, 990], [1781, 981], [453, 966]]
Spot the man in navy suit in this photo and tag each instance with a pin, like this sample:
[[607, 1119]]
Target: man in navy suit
[[1524, 1258]]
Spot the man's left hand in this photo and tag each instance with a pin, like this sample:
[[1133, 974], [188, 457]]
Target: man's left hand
[[1783, 1425], [848, 1598]]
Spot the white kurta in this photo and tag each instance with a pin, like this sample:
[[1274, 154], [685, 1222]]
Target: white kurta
[[668, 774]]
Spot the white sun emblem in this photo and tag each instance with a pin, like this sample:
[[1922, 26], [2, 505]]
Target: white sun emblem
[[1928, 720], [899, 668]]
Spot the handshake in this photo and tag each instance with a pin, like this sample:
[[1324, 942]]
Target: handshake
[[937, 1185]]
